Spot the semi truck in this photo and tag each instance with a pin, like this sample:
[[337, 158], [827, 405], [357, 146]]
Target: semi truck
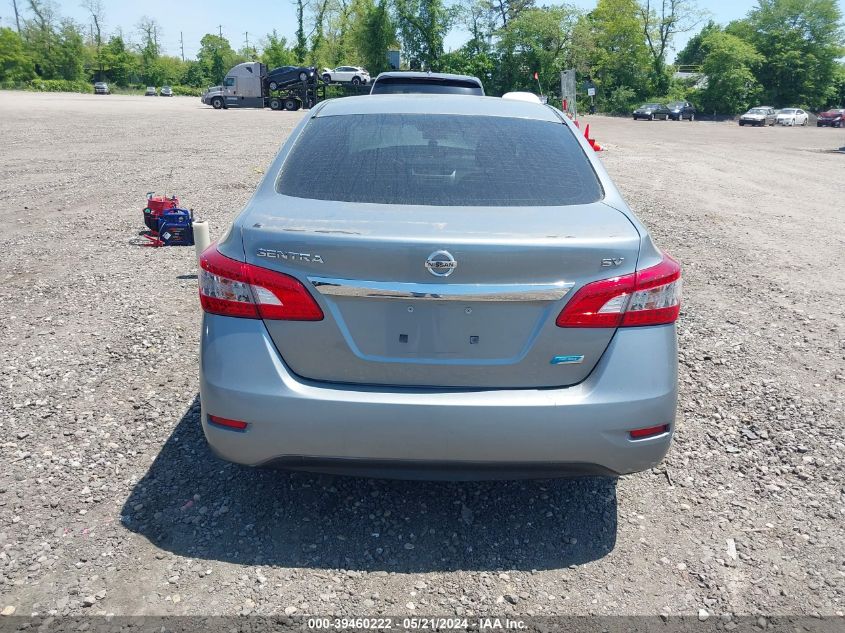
[[248, 85]]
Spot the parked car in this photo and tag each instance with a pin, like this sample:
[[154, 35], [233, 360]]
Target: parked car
[[792, 116], [285, 76], [680, 110], [151, 92], [347, 74], [652, 111], [761, 115], [833, 118], [101, 88], [166, 91], [406, 82], [522, 324]]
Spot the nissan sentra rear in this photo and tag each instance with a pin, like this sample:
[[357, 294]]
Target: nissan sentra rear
[[439, 287]]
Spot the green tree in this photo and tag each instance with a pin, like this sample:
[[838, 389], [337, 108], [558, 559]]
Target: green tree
[[507, 10], [97, 12], [194, 75], [467, 60], [15, 63], [300, 49], [119, 63], [275, 52], [837, 97], [215, 57], [39, 35], [544, 41], [619, 57], [374, 36], [422, 27], [662, 20], [801, 41], [68, 55], [693, 53], [729, 64]]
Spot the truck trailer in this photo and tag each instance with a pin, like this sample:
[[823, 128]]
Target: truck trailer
[[247, 86]]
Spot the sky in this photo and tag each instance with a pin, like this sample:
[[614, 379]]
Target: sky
[[193, 18]]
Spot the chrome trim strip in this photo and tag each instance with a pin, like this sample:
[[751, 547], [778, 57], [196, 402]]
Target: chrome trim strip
[[443, 292]]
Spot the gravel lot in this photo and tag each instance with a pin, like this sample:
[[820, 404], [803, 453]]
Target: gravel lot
[[110, 501]]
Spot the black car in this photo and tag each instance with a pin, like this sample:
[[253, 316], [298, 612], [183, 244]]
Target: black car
[[285, 76], [680, 110], [408, 82], [652, 111]]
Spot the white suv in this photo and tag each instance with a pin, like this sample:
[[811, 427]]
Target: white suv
[[347, 74]]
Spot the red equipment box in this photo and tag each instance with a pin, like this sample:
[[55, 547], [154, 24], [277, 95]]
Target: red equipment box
[[156, 205]]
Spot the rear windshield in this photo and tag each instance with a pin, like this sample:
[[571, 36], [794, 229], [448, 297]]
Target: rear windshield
[[443, 160], [416, 85]]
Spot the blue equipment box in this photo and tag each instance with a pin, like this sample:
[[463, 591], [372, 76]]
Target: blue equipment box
[[176, 227]]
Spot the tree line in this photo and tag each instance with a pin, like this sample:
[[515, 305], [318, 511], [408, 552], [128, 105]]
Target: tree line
[[783, 52]]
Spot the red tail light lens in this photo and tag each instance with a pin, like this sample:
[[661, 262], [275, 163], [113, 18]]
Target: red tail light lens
[[651, 431], [647, 297], [232, 288], [237, 425]]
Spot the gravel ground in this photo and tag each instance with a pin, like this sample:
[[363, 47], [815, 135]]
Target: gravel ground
[[110, 501]]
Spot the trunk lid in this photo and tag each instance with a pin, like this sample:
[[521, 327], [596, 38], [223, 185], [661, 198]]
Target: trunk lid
[[488, 323]]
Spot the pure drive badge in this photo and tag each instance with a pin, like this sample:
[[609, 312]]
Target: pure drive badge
[[269, 253]]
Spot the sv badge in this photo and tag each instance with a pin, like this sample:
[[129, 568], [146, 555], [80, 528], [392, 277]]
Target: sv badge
[[607, 262]]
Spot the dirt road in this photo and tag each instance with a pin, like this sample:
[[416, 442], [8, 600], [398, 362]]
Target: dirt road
[[110, 501]]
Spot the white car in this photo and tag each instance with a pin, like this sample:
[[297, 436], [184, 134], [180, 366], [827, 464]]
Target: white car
[[347, 74], [792, 116]]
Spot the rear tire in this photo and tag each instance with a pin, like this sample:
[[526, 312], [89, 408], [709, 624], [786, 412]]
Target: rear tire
[[303, 76], [275, 103], [651, 117], [356, 81], [273, 85], [291, 105], [692, 117], [217, 103], [327, 78]]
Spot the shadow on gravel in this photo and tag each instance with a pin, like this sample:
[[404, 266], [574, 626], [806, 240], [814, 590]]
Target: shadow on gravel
[[195, 505]]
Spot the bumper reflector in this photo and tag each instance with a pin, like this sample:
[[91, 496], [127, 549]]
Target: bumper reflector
[[638, 434], [235, 425]]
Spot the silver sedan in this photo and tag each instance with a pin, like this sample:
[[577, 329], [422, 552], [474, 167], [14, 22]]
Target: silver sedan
[[439, 286]]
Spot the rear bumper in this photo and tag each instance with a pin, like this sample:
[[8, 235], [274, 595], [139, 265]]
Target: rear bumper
[[457, 433]]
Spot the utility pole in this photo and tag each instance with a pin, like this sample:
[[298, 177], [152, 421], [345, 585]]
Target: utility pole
[[220, 28], [17, 16], [246, 42], [182, 45]]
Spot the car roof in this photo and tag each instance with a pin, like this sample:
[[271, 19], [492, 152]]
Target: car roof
[[437, 104], [416, 74]]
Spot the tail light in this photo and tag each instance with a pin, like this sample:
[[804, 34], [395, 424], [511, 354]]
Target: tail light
[[647, 297], [238, 289], [650, 431], [237, 425]]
